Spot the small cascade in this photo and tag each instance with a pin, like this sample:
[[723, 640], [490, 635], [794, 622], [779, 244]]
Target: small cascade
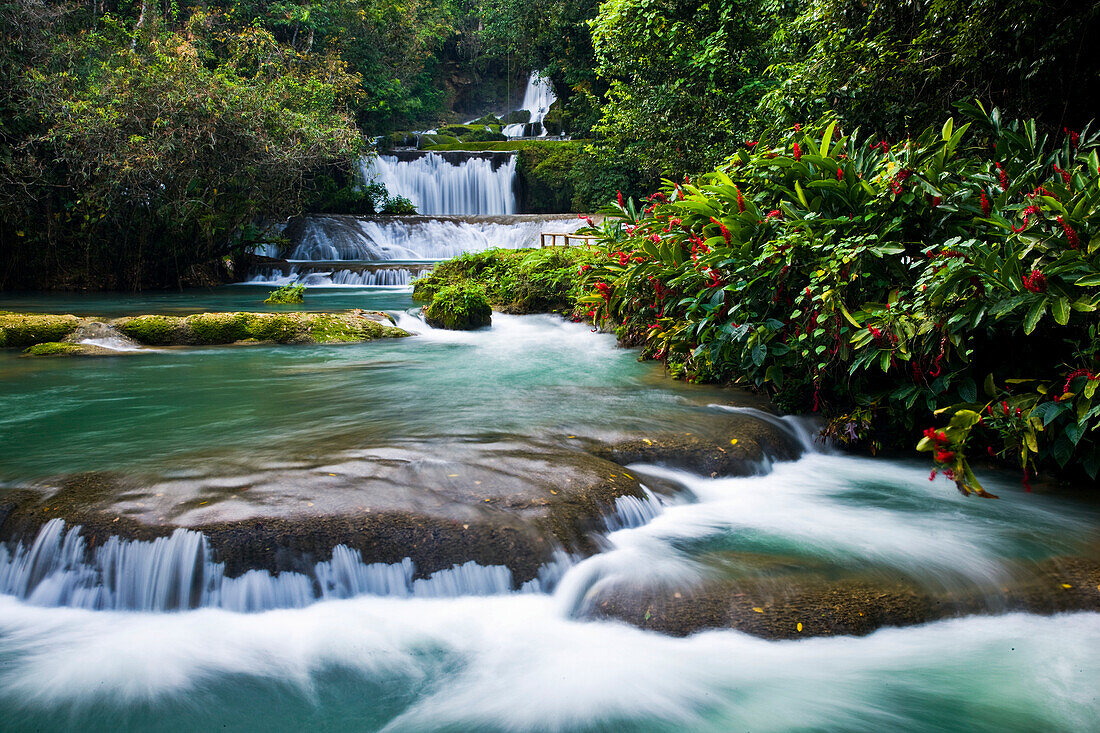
[[803, 430], [631, 512], [179, 572], [537, 99], [447, 183], [334, 250]]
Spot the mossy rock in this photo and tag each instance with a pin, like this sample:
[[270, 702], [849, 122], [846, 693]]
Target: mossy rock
[[54, 348], [459, 308], [516, 117], [27, 329], [283, 328]]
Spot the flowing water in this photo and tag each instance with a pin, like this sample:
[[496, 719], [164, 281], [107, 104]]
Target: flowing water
[[86, 642], [537, 98]]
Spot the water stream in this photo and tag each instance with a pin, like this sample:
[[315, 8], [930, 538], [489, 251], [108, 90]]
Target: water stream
[[374, 647]]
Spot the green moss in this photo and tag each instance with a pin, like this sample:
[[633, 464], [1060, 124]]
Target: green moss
[[228, 328], [27, 329], [459, 308], [53, 348], [152, 330]]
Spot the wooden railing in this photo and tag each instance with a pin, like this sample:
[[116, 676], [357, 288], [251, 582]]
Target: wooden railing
[[550, 239]]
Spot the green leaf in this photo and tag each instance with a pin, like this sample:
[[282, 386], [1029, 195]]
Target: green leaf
[[1033, 315], [1060, 311]]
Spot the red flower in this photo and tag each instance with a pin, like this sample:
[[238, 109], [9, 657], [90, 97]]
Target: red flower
[[1003, 176], [750, 144], [1064, 173], [1074, 375], [898, 184], [586, 219], [797, 152], [986, 208], [774, 214], [1035, 282], [1070, 234], [839, 173], [740, 200], [1074, 138], [797, 127], [604, 290], [945, 456], [715, 281], [585, 268], [881, 145], [619, 197], [725, 231]]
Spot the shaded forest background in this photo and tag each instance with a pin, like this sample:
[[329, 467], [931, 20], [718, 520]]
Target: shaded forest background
[[142, 142]]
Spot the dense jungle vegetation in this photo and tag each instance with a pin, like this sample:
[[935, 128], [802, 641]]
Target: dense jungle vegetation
[[141, 142]]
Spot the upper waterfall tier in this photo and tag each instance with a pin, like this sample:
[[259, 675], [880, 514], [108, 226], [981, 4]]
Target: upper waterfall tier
[[537, 99], [447, 183]]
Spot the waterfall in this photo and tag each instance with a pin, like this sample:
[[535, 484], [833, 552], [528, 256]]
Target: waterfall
[[447, 183], [351, 251], [537, 99], [179, 572]]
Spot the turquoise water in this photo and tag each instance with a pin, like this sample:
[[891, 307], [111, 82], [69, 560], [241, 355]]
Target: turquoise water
[[514, 662]]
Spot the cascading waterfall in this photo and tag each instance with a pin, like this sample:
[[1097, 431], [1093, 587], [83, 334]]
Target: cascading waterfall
[[448, 184], [334, 250], [537, 99], [179, 572]]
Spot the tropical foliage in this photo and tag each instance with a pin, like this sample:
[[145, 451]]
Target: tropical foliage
[[889, 284]]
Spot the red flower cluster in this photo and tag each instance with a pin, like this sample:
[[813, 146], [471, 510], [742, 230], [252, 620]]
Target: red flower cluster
[[740, 200], [1071, 235], [898, 184], [715, 280], [839, 173], [1003, 176], [1075, 374], [1074, 138], [774, 214], [1035, 282], [1027, 214], [619, 197], [986, 208], [725, 232], [750, 144], [584, 268], [1066, 176], [939, 440], [586, 219], [604, 290], [880, 145], [797, 152]]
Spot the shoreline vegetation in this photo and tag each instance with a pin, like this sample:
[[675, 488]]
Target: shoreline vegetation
[[944, 285]]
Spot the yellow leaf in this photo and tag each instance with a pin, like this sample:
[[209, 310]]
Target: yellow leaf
[[733, 441], [647, 441], [628, 475], [799, 626], [758, 609], [452, 475], [1066, 585]]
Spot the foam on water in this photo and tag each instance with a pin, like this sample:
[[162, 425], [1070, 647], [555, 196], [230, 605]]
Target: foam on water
[[511, 663]]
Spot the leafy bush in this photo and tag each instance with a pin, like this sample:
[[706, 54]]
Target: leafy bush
[[459, 308], [287, 294], [954, 274], [514, 281]]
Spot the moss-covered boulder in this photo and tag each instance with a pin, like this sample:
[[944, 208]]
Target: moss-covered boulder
[[54, 348], [27, 329], [283, 328], [459, 308]]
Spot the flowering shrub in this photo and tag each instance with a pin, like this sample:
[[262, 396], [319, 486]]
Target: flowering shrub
[[952, 276]]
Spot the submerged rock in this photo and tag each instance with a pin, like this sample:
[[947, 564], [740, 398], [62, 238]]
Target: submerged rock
[[501, 503], [781, 606]]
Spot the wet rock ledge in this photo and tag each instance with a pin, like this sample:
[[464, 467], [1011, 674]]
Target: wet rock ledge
[[67, 335]]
